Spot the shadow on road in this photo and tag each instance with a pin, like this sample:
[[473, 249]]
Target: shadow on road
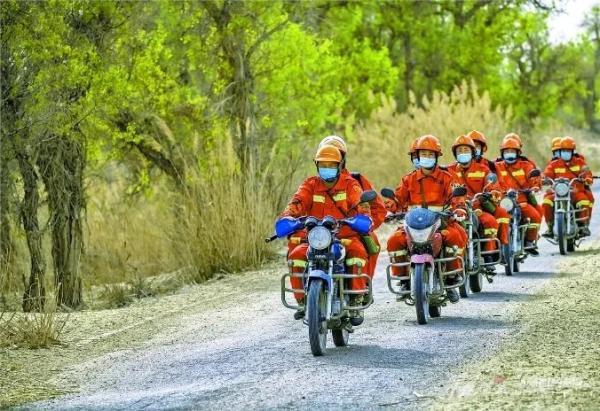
[[376, 357]]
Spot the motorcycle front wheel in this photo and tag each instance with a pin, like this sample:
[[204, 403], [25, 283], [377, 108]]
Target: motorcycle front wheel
[[420, 282], [475, 282], [316, 314], [562, 237], [509, 259]]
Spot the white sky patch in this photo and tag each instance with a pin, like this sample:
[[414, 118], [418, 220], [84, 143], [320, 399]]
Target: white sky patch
[[566, 25]]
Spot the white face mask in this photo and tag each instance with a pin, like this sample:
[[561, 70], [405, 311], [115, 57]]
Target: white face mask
[[426, 162], [464, 158]]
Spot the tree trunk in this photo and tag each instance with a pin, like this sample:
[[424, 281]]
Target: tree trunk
[[6, 243], [35, 292], [62, 161]]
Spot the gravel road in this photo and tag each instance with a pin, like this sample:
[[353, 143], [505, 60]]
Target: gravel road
[[246, 352]]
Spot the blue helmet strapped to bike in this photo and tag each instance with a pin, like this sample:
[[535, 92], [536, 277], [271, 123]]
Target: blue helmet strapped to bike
[[420, 218]]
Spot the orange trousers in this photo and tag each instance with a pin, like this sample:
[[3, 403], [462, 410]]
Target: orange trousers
[[452, 235], [580, 199], [531, 212], [356, 256]]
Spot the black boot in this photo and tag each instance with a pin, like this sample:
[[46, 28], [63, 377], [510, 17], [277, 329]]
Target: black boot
[[404, 286], [452, 293], [299, 314], [531, 248], [549, 232], [585, 231]]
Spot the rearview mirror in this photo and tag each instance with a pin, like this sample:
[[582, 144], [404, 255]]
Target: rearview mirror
[[368, 196], [388, 193], [535, 173], [459, 192]]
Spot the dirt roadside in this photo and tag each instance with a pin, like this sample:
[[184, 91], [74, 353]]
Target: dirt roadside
[[553, 360], [32, 375]]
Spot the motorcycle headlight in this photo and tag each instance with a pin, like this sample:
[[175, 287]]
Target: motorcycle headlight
[[319, 238], [420, 236], [507, 204], [561, 189]]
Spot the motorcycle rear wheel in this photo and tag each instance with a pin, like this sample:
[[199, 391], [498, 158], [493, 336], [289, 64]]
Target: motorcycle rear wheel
[[340, 337], [435, 311], [476, 282]]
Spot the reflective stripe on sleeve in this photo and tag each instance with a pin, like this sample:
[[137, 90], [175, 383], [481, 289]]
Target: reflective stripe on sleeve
[[356, 261]]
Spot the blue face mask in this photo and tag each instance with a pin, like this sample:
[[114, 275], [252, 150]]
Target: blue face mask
[[478, 152], [328, 174], [566, 155], [556, 154], [427, 163], [464, 158], [416, 163], [509, 157]]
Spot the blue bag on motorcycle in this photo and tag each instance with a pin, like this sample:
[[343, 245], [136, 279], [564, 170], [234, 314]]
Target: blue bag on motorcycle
[[287, 225], [360, 223]]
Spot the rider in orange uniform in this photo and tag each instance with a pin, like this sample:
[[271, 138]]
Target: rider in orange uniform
[[568, 166], [555, 148], [330, 193], [431, 187], [502, 216], [514, 173], [474, 176], [378, 210]]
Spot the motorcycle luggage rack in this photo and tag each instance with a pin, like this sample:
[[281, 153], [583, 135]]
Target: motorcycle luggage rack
[[482, 253], [365, 291], [336, 277], [438, 262]]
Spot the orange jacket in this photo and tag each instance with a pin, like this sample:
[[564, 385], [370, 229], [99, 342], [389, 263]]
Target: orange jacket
[[486, 162], [435, 190], [313, 198], [559, 168], [473, 177], [516, 176], [377, 207]]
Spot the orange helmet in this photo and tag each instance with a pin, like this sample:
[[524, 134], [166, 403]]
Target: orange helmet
[[567, 143], [556, 143], [429, 142], [510, 143], [413, 147], [513, 136], [328, 153], [463, 141], [335, 141], [479, 137]]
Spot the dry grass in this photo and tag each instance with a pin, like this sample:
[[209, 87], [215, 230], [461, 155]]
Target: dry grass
[[125, 236], [31, 330], [222, 227], [379, 148]]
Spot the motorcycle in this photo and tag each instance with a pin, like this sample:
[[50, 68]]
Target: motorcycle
[[426, 268], [479, 263], [566, 217], [327, 300], [515, 252]]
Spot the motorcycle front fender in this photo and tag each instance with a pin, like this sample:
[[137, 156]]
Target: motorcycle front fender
[[320, 275]]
